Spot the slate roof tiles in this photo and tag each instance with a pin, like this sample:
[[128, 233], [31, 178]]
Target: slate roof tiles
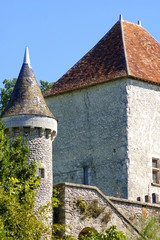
[[27, 97]]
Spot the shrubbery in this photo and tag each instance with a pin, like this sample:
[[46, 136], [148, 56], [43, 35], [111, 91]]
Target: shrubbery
[[18, 188]]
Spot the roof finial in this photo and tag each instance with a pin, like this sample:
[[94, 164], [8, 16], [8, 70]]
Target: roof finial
[[139, 22], [26, 57], [120, 17]]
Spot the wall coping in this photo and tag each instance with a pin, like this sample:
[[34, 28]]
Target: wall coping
[[114, 199], [143, 204]]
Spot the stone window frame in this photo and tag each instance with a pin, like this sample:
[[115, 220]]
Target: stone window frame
[[155, 171]]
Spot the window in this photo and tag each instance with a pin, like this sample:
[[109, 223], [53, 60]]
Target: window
[[155, 198], [85, 175], [139, 199], [26, 131], [41, 172], [155, 170]]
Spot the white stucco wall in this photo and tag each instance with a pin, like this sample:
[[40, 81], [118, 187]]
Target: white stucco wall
[[92, 132], [143, 127]]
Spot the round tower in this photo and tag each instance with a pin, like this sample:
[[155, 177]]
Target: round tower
[[28, 115]]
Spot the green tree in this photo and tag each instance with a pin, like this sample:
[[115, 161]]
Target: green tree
[[44, 85], [6, 92], [18, 188]]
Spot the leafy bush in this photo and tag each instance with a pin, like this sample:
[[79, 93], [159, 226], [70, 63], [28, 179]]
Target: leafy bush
[[92, 209], [150, 229], [110, 234], [82, 205], [18, 188]]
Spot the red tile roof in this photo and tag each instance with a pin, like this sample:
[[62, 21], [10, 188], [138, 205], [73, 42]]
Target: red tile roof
[[142, 52], [127, 50]]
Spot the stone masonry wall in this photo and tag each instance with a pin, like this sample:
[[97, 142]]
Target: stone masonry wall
[[92, 133], [125, 214], [40, 147], [143, 127], [41, 151], [134, 210]]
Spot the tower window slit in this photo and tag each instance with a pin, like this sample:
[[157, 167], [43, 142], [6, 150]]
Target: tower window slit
[[41, 172], [85, 175]]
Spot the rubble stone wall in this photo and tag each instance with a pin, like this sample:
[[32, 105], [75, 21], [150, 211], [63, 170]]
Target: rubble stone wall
[[126, 215]]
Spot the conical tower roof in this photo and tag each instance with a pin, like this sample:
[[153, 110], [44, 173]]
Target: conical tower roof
[[27, 97], [127, 50]]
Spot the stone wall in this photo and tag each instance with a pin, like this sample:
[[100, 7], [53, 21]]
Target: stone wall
[[113, 129], [92, 127], [125, 214], [143, 127], [40, 150], [134, 210], [39, 131]]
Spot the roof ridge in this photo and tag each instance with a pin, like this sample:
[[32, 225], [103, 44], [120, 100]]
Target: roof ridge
[[124, 47]]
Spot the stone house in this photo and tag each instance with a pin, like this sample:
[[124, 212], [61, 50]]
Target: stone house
[[108, 111], [108, 147]]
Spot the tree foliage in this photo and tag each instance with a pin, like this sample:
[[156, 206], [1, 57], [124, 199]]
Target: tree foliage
[[44, 85], [6, 92], [150, 229], [110, 234], [18, 188]]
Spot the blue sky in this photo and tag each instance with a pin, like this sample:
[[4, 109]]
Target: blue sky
[[59, 32]]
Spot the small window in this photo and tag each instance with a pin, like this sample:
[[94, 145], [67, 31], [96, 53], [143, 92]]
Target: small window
[[155, 170], [26, 131], [155, 198], [41, 172], [146, 198], [85, 175], [139, 199]]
